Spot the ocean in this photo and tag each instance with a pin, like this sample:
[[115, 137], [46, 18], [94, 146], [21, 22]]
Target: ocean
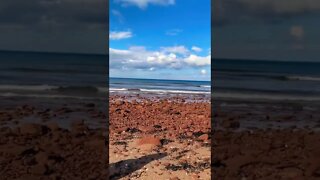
[[261, 79], [158, 86], [53, 75], [58, 75]]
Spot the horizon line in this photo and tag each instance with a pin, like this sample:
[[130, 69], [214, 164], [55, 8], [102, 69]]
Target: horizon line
[[50, 52], [161, 79]]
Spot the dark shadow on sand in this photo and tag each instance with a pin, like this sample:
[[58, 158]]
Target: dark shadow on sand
[[123, 168]]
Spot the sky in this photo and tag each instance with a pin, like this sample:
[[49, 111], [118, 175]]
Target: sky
[[72, 26], [160, 39], [285, 30]]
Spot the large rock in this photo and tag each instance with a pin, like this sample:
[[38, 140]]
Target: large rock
[[149, 140], [32, 129]]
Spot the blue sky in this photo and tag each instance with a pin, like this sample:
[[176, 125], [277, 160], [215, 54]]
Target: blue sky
[[161, 39]]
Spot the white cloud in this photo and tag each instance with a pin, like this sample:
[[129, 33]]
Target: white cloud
[[175, 49], [173, 32], [142, 4], [196, 49], [117, 35], [203, 71], [195, 60], [118, 14], [138, 57]]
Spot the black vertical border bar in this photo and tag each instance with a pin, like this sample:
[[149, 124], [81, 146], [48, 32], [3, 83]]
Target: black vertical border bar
[[106, 151], [212, 88]]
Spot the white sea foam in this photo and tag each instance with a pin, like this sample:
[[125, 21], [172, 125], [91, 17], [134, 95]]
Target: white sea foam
[[245, 96], [27, 87], [303, 78], [174, 91]]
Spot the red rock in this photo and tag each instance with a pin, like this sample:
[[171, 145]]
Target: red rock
[[31, 129], [146, 128], [204, 137], [149, 140], [119, 102], [39, 169]]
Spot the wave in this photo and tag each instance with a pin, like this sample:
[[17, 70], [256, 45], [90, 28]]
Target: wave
[[174, 91], [27, 87], [117, 89], [283, 97], [53, 89], [76, 89], [205, 86], [275, 76], [53, 96], [302, 78]]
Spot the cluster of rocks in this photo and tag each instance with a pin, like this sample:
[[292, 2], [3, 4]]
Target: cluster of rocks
[[33, 145], [173, 126], [164, 118], [33, 151], [265, 141], [272, 154]]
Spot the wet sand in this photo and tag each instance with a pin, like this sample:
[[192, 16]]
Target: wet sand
[[266, 140], [63, 139], [159, 138]]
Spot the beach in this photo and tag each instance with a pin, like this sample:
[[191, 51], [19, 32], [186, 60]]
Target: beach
[[156, 137], [52, 139], [53, 116], [265, 119], [265, 139]]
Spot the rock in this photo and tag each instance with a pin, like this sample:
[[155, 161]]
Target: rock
[[290, 173], [149, 140], [41, 158], [32, 129], [316, 172], [146, 128], [157, 126], [38, 169], [119, 102], [53, 126], [203, 137], [189, 134]]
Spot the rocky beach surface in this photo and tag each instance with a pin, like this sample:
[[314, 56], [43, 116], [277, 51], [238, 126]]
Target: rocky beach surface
[[265, 140], [159, 138], [56, 140]]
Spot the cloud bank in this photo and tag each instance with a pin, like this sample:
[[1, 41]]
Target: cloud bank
[[138, 57], [118, 35], [142, 4]]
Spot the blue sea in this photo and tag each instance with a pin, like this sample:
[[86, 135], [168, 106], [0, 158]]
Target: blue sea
[[53, 75], [159, 86], [57, 75], [263, 79], [84, 75]]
